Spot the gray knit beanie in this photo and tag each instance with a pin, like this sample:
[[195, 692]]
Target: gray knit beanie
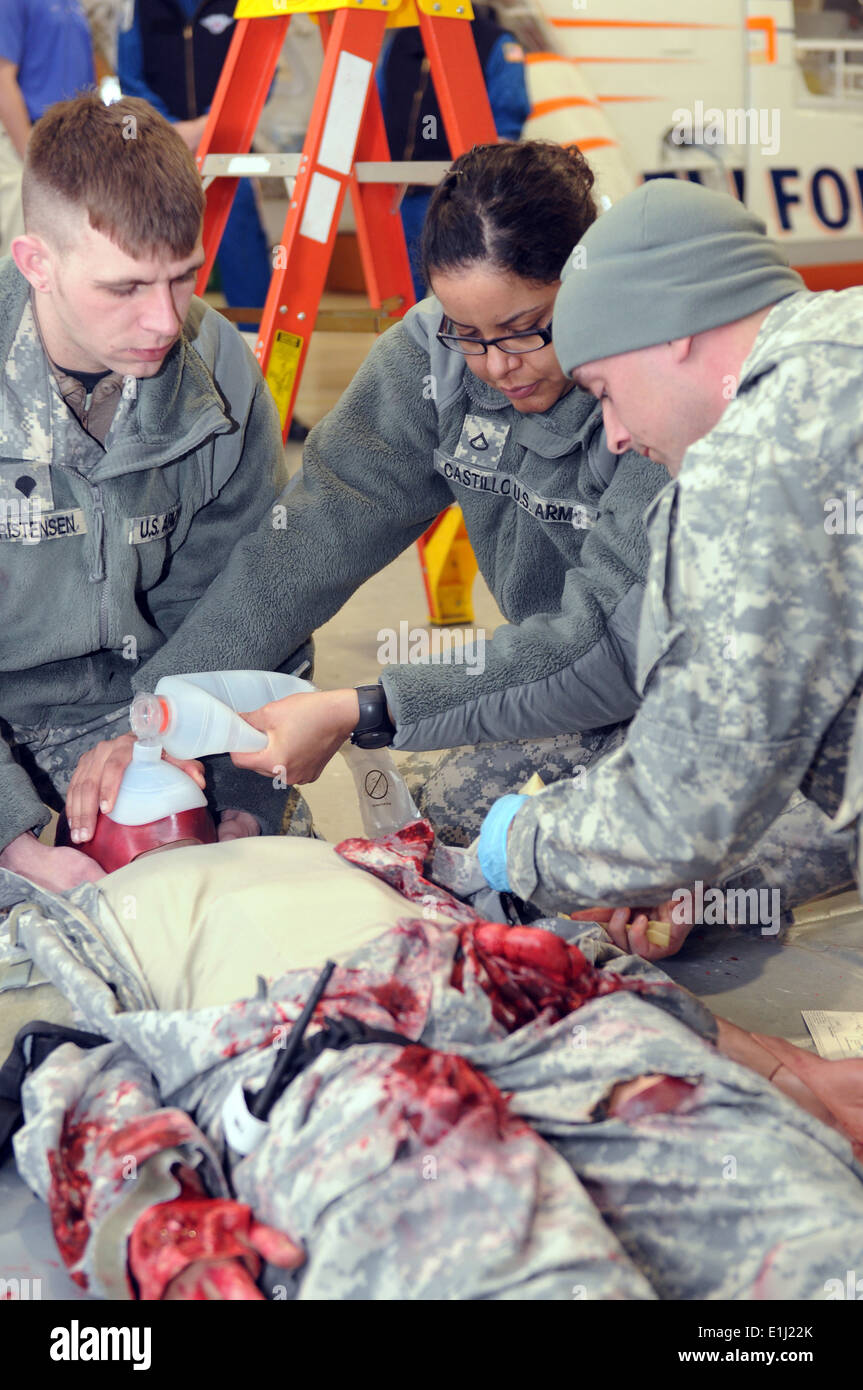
[[670, 259]]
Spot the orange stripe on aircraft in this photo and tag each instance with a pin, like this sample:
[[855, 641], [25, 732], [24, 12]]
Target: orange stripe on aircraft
[[563, 58], [555, 103], [545, 108], [594, 142], [581, 59], [632, 24], [841, 275]]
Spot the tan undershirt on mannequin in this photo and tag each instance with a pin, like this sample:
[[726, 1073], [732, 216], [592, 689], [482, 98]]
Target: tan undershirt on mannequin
[[203, 922]]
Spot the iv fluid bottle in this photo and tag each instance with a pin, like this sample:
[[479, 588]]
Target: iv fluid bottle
[[194, 715]]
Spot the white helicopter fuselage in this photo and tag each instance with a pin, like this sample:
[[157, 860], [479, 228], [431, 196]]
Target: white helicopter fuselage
[[761, 97]]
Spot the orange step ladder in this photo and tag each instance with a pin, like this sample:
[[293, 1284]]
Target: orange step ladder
[[346, 130]]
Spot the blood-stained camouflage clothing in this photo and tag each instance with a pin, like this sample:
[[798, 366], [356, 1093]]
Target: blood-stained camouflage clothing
[[751, 643], [481, 1163]]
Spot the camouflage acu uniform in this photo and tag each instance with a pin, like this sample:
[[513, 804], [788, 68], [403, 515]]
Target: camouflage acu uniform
[[115, 515], [751, 644], [455, 789], [735, 1192], [801, 855]]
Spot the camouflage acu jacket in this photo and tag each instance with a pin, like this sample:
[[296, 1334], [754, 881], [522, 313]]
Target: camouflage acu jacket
[[751, 643]]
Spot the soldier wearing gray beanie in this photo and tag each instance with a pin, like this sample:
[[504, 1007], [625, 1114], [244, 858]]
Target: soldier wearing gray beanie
[[669, 260], [711, 357]]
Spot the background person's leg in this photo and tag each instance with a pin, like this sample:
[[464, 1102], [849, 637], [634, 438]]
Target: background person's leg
[[11, 211], [800, 855], [244, 254], [50, 755], [279, 810], [413, 211]]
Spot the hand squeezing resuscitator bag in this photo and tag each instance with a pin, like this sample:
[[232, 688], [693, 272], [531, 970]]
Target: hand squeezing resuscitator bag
[[196, 715]]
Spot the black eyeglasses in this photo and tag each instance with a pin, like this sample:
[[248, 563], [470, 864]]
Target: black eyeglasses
[[515, 343]]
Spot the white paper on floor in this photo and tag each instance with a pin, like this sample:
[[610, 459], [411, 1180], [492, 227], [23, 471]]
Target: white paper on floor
[[836, 1035]]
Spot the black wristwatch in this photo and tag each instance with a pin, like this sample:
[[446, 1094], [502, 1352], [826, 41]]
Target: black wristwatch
[[374, 728]]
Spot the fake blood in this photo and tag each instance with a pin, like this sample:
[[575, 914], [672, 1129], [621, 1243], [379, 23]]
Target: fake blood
[[149, 1134], [434, 1091], [527, 971], [397, 998], [80, 1145], [665, 1094], [70, 1189]]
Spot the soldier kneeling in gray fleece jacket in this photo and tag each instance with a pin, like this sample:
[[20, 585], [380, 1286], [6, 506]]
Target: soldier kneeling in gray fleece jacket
[[138, 443]]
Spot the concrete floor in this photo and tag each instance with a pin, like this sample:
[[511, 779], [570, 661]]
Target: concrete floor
[[757, 982]]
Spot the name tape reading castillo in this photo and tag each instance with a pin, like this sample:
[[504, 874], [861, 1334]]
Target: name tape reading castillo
[[505, 485]]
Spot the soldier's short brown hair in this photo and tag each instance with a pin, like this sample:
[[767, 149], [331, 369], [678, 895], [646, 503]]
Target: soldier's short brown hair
[[123, 165]]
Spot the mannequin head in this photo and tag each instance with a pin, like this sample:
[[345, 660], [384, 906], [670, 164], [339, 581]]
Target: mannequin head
[[158, 804], [113, 846]]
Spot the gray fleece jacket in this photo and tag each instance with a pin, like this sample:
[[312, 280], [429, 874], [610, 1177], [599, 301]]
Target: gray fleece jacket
[[104, 550], [555, 521]]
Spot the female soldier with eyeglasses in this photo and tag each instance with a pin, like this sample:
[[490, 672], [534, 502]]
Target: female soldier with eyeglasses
[[462, 401]]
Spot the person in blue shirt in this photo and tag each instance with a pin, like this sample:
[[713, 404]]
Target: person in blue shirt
[[412, 114], [171, 53], [46, 55]]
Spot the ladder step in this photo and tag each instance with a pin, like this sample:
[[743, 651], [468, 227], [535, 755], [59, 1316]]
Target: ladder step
[[282, 166]]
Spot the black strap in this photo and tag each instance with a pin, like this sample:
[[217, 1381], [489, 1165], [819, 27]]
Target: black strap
[[342, 1033], [43, 1038], [337, 1034]]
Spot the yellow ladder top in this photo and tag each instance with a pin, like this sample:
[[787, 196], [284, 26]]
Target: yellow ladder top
[[401, 13]]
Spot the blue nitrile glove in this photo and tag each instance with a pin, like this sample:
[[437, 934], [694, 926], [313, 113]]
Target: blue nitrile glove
[[492, 841]]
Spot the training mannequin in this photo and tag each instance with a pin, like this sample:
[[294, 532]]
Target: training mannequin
[[623, 1076]]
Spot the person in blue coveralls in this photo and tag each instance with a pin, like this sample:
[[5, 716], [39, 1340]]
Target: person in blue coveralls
[[46, 55]]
